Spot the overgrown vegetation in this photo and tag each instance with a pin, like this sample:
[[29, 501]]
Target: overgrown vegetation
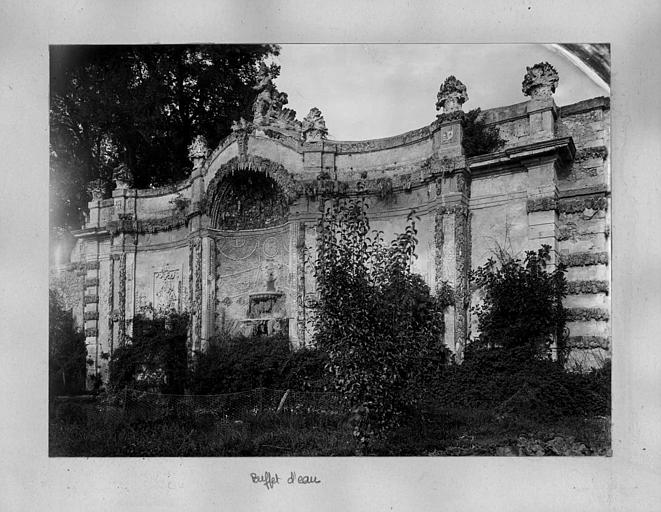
[[388, 386], [67, 353], [377, 320], [242, 363], [156, 358], [521, 309], [478, 137]]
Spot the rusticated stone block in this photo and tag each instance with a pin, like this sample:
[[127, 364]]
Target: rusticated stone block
[[582, 204], [585, 314], [541, 204], [92, 265], [91, 333], [579, 259], [91, 299], [91, 315], [592, 152], [91, 281], [580, 287], [584, 342]]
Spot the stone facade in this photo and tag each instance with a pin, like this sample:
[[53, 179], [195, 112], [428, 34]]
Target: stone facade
[[228, 244]]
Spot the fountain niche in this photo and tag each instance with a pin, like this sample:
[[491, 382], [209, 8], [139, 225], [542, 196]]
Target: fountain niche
[[266, 311]]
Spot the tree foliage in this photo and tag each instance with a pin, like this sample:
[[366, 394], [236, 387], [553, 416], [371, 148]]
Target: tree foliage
[[140, 106], [67, 353], [377, 320], [522, 306]]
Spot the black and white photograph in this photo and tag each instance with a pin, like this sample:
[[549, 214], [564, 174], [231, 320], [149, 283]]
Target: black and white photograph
[[401, 260], [304, 255]]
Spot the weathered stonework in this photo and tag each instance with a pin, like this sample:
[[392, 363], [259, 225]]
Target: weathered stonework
[[229, 244], [541, 204], [579, 205], [540, 80], [585, 287], [451, 96], [121, 296], [578, 314], [585, 258], [587, 342], [598, 152]]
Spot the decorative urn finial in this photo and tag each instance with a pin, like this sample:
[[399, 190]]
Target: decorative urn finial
[[314, 126], [198, 151], [451, 96], [97, 188], [540, 81], [122, 176]]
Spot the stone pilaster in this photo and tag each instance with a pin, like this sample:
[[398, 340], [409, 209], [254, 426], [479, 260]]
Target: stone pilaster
[[91, 305], [542, 200], [121, 301], [208, 291], [300, 283], [111, 302], [196, 292], [452, 230]]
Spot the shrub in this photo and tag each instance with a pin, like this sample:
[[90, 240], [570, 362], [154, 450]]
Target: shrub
[[378, 322], [522, 307], [533, 388], [156, 358], [478, 137], [67, 353], [242, 363]]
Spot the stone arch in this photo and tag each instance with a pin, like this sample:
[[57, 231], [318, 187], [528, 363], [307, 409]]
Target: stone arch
[[250, 193]]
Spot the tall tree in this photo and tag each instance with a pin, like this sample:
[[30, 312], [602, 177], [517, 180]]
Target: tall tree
[[140, 106]]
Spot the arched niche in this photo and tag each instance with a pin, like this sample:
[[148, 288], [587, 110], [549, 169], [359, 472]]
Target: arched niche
[[250, 193]]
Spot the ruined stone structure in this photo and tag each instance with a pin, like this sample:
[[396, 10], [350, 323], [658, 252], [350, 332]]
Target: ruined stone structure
[[228, 243]]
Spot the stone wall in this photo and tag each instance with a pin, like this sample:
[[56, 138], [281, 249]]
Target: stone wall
[[170, 248]]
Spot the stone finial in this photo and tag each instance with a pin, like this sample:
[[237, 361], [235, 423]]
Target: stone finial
[[198, 151], [451, 96], [314, 126], [540, 80], [122, 176], [97, 188]]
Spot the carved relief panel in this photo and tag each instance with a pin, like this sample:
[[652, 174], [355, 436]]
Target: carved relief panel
[[167, 289], [248, 264]]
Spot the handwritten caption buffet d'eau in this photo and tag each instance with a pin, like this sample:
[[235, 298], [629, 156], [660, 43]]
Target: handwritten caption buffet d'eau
[[270, 480]]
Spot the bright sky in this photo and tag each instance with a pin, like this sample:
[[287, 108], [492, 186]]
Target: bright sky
[[373, 91]]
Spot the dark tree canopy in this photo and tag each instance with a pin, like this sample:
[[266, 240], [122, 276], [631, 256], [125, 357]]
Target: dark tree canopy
[[141, 106]]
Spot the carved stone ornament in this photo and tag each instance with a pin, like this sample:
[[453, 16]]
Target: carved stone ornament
[[97, 188], [268, 108], [241, 125], [451, 96], [122, 176], [314, 126], [540, 81], [198, 151]]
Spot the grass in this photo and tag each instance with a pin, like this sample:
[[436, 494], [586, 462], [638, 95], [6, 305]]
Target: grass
[[437, 431]]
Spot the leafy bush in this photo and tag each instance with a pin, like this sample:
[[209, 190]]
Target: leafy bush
[[156, 358], [537, 389], [241, 363], [478, 137], [67, 352], [378, 322], [522, 307]]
